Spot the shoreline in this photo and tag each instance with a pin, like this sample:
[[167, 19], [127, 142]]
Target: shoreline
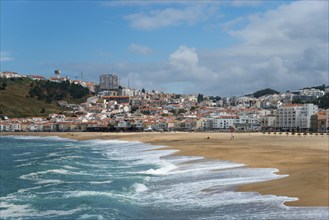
[[304, 159]]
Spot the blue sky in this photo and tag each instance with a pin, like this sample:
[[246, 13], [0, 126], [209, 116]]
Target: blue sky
[[212, 47]]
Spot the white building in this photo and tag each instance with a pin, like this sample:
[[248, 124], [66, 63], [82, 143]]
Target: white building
[[125, 92], [295, 117], [268, 122], [224, 122], [312, 92], [248, 122]]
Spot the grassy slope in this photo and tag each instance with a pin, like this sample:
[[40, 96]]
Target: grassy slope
[[13, 101]]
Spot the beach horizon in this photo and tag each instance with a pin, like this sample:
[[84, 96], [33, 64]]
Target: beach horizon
[[303, 158]]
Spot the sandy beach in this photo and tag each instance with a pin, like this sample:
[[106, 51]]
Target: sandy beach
[[304, 158]]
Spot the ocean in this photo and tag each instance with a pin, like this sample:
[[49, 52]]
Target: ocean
[[56, 178]]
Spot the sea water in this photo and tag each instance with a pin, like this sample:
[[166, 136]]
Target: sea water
[[55, 178]]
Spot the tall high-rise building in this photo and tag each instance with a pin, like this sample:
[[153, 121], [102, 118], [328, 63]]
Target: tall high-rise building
[[109, 81]]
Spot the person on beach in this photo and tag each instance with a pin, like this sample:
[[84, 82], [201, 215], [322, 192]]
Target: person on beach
[[232, 135]]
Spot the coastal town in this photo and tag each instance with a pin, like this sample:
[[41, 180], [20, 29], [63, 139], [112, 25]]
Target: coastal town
[[115, 108]]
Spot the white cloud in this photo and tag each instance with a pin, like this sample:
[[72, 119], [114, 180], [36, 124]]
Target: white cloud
[[140, 49], [5, 56], [290, 25], [284, 49], [156, 19], [184, 58]]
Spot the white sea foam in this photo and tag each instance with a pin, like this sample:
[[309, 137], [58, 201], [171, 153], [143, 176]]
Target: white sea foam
[[195, 168], [101, 182], [139, 187], [40, 138], [70, 157], [53, 155], [34, 175], [25, 164], [11, 210], [87, 216], [88, 193], [70, 167], [50, 181], [29, 189], [164, 170], [97, 142]]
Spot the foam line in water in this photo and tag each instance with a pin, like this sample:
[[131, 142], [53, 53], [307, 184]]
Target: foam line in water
[[49, 181], [100, 182], [91, 217], [39, 138], [88, 194], [35, 175]]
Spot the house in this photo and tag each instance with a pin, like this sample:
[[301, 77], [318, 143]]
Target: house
[[152, 111], [4, 127], [36, 77], [268, 122], [49, 127], [14, 127], [118, 99], [319, 122], [124, 124]]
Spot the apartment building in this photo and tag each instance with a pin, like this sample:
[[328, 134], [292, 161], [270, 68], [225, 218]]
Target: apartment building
[[109, 81], [225, 122], [293, 117]]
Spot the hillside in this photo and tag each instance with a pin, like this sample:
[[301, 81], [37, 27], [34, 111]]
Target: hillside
[[263, 92], [25, 98]]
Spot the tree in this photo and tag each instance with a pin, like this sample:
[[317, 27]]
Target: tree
[[193, 108], [263, 92], [4, 85], [43, 110], [215, 98], [143, 90], [133, 109], [323, 102], [181, 111], [297, 101]]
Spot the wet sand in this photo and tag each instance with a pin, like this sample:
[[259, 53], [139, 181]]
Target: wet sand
[[304, 158]]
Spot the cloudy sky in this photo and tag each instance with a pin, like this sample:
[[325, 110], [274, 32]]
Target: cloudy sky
[[212, 47]]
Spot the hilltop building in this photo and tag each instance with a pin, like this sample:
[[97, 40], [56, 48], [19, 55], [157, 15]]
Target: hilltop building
[[109, 82]]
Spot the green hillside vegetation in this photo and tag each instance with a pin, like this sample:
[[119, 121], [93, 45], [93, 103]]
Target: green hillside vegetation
[[323, 102], [24, 97], [52, 91], [263, 92]]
